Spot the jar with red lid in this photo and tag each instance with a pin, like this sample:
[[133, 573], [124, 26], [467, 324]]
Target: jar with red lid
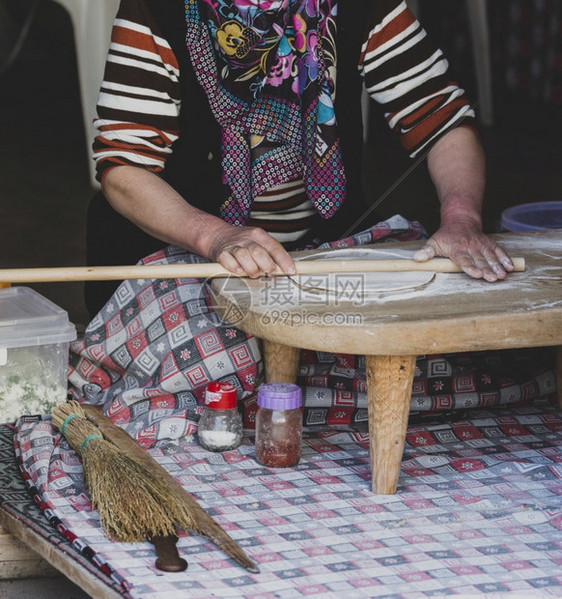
[[279, 425], [220, 425]]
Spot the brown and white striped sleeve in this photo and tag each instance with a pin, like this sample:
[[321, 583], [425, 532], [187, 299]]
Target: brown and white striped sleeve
[[139, 101], [408, 75]]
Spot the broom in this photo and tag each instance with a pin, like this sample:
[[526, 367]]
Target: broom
[[130, 499], [176, 506]]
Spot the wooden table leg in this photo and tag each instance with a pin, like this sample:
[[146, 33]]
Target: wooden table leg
[[389, 389], [558, 372], [281, 362]]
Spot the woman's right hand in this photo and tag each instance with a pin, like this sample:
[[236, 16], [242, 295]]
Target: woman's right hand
[[248, 250], [149, 202]]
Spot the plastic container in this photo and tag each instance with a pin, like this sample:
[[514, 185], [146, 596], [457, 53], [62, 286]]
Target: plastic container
[[220, 425], [538, 216], [34, 337], [279, 425]]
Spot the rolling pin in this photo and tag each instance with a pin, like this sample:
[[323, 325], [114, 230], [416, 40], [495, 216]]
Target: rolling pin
[[209, 270]]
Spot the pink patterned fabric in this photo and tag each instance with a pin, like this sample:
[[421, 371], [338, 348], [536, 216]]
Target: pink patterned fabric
[[335, 389], [149, 353], [478, 512]]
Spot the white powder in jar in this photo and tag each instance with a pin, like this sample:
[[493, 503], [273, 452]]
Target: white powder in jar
[[219, 439]]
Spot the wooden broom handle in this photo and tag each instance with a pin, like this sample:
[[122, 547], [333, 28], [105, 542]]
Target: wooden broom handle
[[213, 270]]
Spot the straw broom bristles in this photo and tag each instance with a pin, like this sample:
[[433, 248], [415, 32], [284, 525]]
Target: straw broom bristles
[[173, 500], [133, 503], [199, 520]]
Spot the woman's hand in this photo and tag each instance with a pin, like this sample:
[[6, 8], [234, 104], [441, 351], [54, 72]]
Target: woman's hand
[[250, 250], [149, 202], [457, 167], [475, 253]]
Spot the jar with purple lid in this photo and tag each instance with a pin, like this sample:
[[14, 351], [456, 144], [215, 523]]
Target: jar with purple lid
[[279, 425]]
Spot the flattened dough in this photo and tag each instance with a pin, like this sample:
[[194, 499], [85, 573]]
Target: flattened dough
[[371, 283]]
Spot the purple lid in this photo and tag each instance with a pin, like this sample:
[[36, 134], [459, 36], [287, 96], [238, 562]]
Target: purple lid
[[279, 396]]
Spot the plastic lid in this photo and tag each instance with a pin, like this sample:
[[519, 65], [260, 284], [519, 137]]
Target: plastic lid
[[220, 396], [279, 396], [28, 318], [536, 216]]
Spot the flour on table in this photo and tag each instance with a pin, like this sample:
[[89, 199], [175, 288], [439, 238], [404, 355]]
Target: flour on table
[[368, 283]]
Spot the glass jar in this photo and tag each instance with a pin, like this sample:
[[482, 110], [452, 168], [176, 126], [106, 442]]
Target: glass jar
[[279, 425], [220, 425]]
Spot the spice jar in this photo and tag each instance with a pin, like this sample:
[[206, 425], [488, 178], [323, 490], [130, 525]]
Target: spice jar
[[279, 425], [220, 425]]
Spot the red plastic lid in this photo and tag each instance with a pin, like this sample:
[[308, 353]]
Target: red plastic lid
[[220, 396]]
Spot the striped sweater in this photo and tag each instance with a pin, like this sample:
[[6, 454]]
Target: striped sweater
[[406, 74], [141, 97]]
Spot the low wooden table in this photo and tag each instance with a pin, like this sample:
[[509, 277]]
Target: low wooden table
[[29, 555], [454, 313]]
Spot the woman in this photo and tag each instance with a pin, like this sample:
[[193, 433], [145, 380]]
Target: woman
[[167, 104], [230, 130]]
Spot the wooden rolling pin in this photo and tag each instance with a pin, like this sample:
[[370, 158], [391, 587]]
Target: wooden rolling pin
[[212, 270]]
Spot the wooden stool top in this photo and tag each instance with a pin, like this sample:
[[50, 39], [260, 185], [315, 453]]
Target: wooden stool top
[[451, 313]]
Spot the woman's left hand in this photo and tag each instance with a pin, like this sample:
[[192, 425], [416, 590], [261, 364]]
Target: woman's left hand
[[457, 168], [474, 252]]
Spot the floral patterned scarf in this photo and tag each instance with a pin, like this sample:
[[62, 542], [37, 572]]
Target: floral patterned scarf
[[268, 69]]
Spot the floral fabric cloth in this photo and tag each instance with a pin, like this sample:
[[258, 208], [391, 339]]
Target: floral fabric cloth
[[268, 70]]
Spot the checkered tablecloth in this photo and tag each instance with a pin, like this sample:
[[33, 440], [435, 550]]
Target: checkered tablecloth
[[478, 511]]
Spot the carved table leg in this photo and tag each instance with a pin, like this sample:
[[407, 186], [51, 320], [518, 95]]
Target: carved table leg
[[389, 388], [559, 374], [281, 362]]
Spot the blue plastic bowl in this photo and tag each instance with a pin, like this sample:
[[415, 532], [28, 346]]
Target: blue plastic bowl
[[532, 217]]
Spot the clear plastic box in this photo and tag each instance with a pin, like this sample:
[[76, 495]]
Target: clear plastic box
[[35, 335]]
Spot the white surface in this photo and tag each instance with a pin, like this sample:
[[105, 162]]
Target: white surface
[[361, 286], [92, 21]]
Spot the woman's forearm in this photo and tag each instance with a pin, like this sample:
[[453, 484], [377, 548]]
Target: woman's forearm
[[457, 168], [154, 206], [456, 165]]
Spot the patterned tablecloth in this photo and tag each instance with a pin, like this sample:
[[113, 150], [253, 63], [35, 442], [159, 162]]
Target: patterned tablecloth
[[479, 511]]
